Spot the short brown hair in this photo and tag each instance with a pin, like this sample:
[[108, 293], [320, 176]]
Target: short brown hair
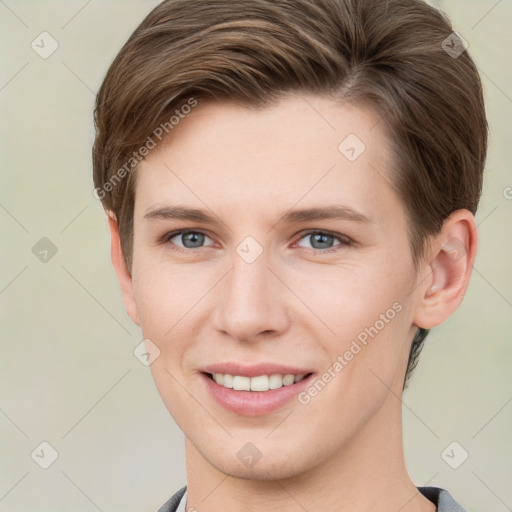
[[393, 55]]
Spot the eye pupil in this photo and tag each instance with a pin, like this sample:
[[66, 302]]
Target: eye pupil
[[196, 238], [321, 238]]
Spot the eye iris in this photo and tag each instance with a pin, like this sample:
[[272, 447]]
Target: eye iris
[[196, 238], [322, 237]]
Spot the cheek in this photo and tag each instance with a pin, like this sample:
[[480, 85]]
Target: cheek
[[159, 288], [361, 319], [346, 299], [171, 301]]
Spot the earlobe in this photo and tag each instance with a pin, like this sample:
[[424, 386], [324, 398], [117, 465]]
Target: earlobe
[[452, 255], [122, 272]]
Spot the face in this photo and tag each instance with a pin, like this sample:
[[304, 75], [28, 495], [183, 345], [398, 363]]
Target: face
[[263, 276]]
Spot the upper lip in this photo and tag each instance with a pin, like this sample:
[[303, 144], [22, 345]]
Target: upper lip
[[254, 370]]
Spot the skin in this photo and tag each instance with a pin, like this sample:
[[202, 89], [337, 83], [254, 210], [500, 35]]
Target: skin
[[343, 450]]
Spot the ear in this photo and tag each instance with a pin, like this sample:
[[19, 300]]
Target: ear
[[125, 279], [448, 268]]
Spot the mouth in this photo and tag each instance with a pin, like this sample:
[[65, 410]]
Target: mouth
[[259, 395], [259, 383]]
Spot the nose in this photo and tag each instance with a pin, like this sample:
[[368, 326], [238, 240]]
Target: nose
[[252, 301]]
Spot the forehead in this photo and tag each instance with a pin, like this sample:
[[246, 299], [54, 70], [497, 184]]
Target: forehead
[[301, 150]]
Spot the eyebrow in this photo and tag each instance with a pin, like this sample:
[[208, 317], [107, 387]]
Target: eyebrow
[[338, 212]]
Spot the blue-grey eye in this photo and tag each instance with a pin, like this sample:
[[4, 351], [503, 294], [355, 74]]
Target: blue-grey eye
[[189, 239], [321, 240]]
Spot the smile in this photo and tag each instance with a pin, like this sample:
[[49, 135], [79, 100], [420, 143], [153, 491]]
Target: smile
[[255, 396], [258, 383]]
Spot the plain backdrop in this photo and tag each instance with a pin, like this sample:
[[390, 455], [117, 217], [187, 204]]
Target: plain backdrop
[[68, 376]]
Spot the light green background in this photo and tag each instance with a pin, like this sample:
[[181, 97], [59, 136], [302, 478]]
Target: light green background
[[68, 375]]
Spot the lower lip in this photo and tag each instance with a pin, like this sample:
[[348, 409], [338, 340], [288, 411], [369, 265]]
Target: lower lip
[[254, 403]]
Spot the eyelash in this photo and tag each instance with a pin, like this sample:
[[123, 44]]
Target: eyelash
[[343, 239]]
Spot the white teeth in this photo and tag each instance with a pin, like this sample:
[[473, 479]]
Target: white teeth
[[275, 381], [259, 383], [288, 379], [241, 383], [228, 381]]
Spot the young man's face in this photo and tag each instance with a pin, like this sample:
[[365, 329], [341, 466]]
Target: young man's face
[[256, 288]]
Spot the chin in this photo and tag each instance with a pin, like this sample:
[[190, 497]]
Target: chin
[[274, 463], [261, 471]]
